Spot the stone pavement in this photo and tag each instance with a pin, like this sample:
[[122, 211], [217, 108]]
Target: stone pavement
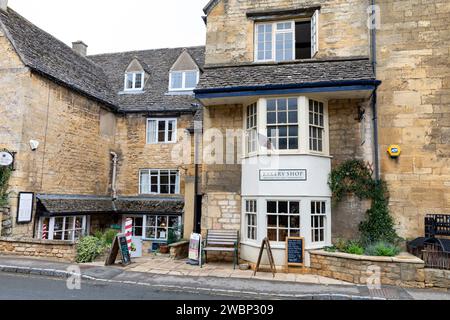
[[214, 279], [166, 266]]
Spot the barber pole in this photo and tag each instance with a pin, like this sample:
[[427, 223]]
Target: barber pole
[[44, 232], [129, 232]]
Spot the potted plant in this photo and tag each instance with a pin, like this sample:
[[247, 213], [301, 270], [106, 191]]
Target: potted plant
[[164, 248]]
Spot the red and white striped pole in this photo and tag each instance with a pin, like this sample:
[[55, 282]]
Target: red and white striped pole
[[44, 232], [129, 232]]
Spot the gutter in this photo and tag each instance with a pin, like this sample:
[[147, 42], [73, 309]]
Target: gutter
[[373, 48], [114, 173], [318, 84]]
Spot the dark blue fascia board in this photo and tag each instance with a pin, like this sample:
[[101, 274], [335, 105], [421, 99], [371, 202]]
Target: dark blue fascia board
[[316, 87]]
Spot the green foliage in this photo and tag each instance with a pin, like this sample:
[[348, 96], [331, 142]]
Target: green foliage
[[341, 244], [5, 174], [355, 177], [331, 249], [174, 235], [89, 248], [107, 237], [354, 248], [382, 249]]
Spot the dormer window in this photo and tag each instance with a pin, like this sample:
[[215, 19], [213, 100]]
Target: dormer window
[[184, 74], [183, 80], [286, 40], [134, 81]]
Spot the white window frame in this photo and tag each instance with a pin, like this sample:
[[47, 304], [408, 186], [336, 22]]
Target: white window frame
[[314, 37], [183, 81], [275, 31], [278, 214], [251, 133], [286, 124], [149, 171], [134, 88], [248, 213], [145, 227], [316, 126], [166, 135], [303, 131], [313, 226], [51, 227]]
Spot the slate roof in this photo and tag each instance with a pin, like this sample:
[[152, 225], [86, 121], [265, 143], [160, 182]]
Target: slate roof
[[260, 75], [47, 55], [157, 63], [100, 77], [54, 205]]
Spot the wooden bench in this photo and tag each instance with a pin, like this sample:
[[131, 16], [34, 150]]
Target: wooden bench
[[222, 241]]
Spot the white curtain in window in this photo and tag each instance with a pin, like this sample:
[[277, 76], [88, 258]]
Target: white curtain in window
[[152, 133]]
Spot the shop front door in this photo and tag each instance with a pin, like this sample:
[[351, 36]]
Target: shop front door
[[136, 240]]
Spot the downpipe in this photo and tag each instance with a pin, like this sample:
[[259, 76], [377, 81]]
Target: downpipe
[[114, 173]]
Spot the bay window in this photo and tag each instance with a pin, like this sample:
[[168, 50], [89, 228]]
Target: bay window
[[70, 228], [287, 40], [251, 128], [291, 125], [318, 221], [316, 125], [161, 131], [251, 219], [282, 123], [283, 220], [156, 181]]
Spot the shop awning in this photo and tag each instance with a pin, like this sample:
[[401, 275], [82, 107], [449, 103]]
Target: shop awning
[[58, 205]]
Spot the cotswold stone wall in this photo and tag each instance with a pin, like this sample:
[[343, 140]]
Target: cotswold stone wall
[[136, 154], [404, 270], [73, 156], [229, 38], [350, 138], [5, 222], [59, 250], [414, 108], [407, 272]]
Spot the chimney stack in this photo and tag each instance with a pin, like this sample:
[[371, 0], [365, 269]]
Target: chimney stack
[[3, 5], [79, 46]]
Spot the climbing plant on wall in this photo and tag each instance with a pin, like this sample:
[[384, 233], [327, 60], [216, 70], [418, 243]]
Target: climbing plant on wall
[[5, 174], [355, 177]]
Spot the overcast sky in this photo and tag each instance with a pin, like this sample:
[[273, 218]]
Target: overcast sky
[[118, 25]]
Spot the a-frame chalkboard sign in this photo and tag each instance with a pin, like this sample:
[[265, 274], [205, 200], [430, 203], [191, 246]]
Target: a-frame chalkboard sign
[[119, 245], [266, 244]]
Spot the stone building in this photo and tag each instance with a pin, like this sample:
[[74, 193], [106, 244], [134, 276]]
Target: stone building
[[287, 90], [310, 84], [97, 139]]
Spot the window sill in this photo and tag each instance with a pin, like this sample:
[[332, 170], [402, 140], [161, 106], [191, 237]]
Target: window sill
[[187, 92], [290, 153], [137, 91]]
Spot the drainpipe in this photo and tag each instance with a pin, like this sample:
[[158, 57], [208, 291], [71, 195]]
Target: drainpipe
[[113, 182], [373, 48]]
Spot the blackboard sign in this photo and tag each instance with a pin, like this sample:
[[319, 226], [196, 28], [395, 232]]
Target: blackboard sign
[[295, 251], [119, 245], [125, 253]]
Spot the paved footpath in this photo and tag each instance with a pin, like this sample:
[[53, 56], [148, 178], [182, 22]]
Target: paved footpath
[[254, 288]]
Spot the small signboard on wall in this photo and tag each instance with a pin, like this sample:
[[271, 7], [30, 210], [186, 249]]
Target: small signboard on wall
[[295, 252], [283, 175], [25, 207]]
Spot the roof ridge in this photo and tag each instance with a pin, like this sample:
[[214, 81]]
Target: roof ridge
[[146, 50]]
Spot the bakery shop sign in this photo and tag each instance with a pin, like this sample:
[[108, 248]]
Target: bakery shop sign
[[6, 158], [283, 175]]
